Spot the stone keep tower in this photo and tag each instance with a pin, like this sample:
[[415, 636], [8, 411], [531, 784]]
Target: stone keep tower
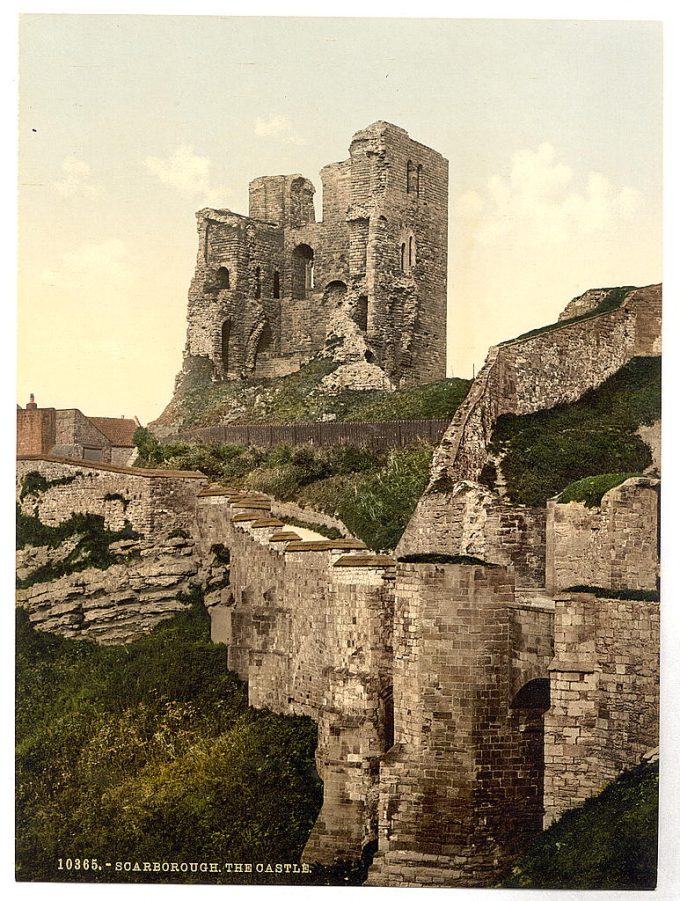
[[271, 289]]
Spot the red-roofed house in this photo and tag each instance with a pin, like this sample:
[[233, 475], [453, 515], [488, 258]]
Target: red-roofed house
[[69, 433]]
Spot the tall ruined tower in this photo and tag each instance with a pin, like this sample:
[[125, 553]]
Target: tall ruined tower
[[270, 288]]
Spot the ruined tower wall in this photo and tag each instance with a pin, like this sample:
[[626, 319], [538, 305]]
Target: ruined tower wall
[[462, 787], [336, 180], [391, 193], [614, 545], [604, 690], [400, 197]]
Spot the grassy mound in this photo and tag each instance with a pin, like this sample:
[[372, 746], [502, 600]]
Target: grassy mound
[[149, 751], [545, 452], [592, 489], [609, 843], [293, 398]]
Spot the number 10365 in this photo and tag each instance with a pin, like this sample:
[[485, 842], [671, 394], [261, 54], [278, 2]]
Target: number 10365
[[78, 863]]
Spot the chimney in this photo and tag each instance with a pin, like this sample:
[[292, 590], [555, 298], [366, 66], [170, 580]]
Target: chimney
[[31, 405]]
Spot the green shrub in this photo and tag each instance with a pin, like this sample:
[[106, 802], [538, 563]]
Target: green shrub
[[35, 483], [92, 550], [149, 751], [592, 489], [380, 504], [546, 451], [609, 843], [149, 452]]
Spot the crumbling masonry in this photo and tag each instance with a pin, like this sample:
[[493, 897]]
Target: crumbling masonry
[[368, 282]]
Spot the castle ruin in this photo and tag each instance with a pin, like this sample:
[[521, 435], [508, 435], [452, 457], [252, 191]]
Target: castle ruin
[[273, 288]]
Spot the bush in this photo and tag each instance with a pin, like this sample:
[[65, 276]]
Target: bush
[[544, 452], [609, 843], [149, 751], [380, 505], [591, 490], [92, 550]]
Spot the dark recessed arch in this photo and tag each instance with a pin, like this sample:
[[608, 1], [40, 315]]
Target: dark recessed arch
[[303, 271], [534, 695]]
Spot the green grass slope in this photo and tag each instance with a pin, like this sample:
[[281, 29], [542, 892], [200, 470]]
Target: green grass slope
[[149, 751], [609, 843], [293, 398], [545, 452]]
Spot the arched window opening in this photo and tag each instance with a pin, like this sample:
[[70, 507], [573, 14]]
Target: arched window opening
[[410, 172], [362, 313], [303, 271], [276, 285], [402, 257], [222, 277], [420, 181], [411, 252], [226, 328], [258, 282]]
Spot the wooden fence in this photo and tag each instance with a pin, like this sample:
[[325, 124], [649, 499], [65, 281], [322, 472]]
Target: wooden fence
[[362, 434]]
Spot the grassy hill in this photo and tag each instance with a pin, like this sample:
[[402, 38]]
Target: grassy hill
[[609, 843], [543, 453], [294, 398], [149, 751]]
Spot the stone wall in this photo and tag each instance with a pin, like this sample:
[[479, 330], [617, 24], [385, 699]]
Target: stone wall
[[540, 371], [604, 690], [530, 374], [461, 790], [614, 545], [308, 626], [150, 500], [469, 519]]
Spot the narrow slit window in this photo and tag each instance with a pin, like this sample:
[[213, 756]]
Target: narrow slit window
[[420, 181], [411, 252], [258, 282], [276, 285], [402, 258]]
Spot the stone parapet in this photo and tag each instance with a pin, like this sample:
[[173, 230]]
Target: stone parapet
[[604, 690]]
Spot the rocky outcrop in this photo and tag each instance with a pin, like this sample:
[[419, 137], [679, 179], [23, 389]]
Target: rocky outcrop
[[148, 584]]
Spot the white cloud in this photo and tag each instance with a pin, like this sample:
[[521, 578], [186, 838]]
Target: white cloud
[[186, 171], [280, 127], [539, 203], [95, 267], [76, 180]]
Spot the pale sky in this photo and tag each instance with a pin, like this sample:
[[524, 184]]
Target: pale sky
[[128, 124]]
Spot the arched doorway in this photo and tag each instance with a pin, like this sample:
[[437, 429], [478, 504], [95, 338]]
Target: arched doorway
[[303, 271]]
